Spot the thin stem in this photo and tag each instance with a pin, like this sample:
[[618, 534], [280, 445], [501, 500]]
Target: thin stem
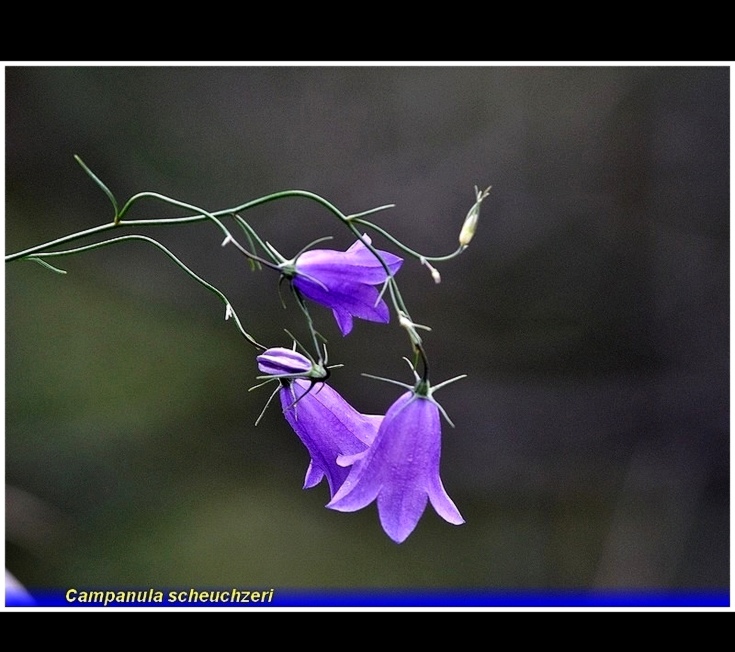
[[310, 323], [370, 211], [397, 300], [59, 241], [102, 186], [349, 221], [405, 248], [252, 236], [152, 222], [425, 362], [207, 215], [253, 203], [200, 217], [230, 311]]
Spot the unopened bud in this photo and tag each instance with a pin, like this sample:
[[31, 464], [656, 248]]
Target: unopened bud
[[433, 270], [470, 222]]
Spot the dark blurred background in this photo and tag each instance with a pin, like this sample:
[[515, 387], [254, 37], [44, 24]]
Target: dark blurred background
[[590, 313]]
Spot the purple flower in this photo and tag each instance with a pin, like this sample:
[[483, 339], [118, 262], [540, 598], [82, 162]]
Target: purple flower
[[326, 424], [279, 361], [400, 469], [345, 281]]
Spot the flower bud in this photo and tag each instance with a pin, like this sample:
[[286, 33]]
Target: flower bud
[[433, 270], [470, 222], [279, 361]]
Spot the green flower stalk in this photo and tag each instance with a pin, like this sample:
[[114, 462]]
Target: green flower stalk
[[392, 459]]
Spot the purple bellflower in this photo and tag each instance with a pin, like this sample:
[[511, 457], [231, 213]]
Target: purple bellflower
[[324, 421], [400, 468], [344, 281], [329, 427]]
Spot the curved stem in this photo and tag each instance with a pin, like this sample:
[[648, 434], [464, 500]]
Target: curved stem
[[396, 297], [310, 323], [406, 249], [200, 217], [252, 236], [237, 209], [204, 215], [59, 241], [154, 222], [349, 221], [230, 311]]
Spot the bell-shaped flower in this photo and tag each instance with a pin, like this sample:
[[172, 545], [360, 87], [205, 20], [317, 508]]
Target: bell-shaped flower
[[328, 426], [324, 421], [400, 469], [348, 282]]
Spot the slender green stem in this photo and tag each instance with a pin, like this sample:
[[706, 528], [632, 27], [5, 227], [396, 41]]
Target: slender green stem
[[289, 193], [203, 216], [349, 221], [79, 235], [370, 211], [253, 237], [405, 248], [310, 323], [230, 311], [59, 241], [200, 217], [173, 202], [251, 204], [206, 215], [43, 263], [396, 298], [102, 186]]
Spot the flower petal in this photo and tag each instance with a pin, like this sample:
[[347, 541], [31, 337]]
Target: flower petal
[[443, 504], [369, 265], [355, 494], [346, 281], [314, 475], [400, 469], [358, 300], [344, 320], [278, 361], [358, 263], [328, 426], [400, 511]]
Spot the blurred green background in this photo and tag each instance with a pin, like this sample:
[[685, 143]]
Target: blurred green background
[[591, 314]]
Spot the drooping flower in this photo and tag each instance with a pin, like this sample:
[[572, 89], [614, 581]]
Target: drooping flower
[[324, 421], [329, 427], [348, 282], [400, 469]]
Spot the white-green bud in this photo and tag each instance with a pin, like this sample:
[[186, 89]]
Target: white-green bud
[[433, 270], [470, 222]]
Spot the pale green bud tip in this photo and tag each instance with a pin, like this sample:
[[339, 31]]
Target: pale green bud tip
[[470, 222], [433, 270]]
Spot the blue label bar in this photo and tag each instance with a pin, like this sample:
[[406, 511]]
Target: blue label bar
[[264, 597]]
